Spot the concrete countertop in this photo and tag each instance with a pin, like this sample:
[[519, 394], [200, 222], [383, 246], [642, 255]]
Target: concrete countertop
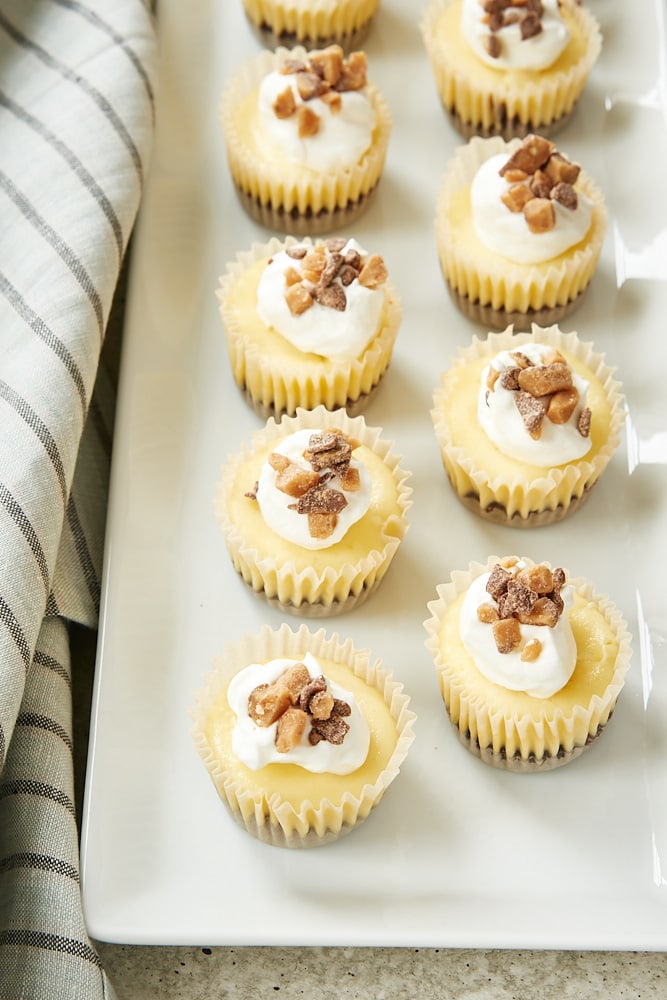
[[381, 974]]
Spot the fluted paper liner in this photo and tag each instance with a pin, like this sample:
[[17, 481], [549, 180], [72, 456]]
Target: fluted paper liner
[[545, 738], [486, 101], [509, 291], [526, 500], [280, 381], [303, 201], [269, 817], [317, 23], [307, 591]]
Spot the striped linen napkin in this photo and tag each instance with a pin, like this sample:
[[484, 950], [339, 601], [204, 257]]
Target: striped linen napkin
[[76, 124]]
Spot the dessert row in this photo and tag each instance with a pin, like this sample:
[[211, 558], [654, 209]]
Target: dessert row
[[501, 67], [301, 733]]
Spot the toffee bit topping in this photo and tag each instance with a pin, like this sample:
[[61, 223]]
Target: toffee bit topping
[[294, 701], [329, 454], [541, 391], [292, 478], [334, 729], [532, 412], [528, 596], [329, 450], [308, 121], [326, 74], [501, 13], [584, 422], [497, 583], [320, 499], [538, 175], [531, 651], [325, 274], [332, 296]]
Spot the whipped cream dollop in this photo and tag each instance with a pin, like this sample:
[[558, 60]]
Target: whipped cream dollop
[[278, 508], [344, 133], [503, 423], [506, 45], [333, 333], [255, 745], [541, 677], [507, 233]]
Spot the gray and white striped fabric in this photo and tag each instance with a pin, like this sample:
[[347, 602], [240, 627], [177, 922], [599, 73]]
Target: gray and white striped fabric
[[76, 122]]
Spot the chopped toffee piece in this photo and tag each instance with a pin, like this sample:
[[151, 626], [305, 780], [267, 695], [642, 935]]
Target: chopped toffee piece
[[531, 651], [299, 705], [335, 728], [529, 596], [324, 74], [541, 391], [501, 13], [291, 727], [326, 272], [507, 633], [539, 175], [319, 491], [532, 412]]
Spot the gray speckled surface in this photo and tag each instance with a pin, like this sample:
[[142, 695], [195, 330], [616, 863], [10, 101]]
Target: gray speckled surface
[[381, 974]]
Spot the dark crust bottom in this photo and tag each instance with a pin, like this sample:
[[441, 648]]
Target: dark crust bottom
[[317, 610], [275, 836], [499, 319], [535, 519], [507, 129], [531, 764], [348, 42], [308, 224], [353, 407]]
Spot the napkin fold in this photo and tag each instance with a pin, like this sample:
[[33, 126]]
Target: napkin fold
[[77, 111]]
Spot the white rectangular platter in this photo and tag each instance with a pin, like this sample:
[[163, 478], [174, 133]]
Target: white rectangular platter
[[457, 854]]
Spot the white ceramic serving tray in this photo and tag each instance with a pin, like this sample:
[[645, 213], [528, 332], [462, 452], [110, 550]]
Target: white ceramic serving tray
[[457, 854]]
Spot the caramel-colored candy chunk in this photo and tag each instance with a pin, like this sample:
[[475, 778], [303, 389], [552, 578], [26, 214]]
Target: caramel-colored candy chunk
[[268, 702], [309, 122], [517, 196], [290, 729], [540, 215], [284, 105], [541, 380], [562, 405], [532, 154], [507, 634]]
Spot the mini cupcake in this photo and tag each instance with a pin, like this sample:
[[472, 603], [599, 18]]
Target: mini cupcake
[[309, 324], [510, 69], [519, 231], [314, 24], [530, 664], [527, 424], [301, 734], [306, 136], [314, 511]]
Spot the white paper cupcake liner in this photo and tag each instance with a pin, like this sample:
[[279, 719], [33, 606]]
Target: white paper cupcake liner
[[526, 501], [272, 819], [512, 292], [519, 742], [273, 387], [305, 201], [308, 592]]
